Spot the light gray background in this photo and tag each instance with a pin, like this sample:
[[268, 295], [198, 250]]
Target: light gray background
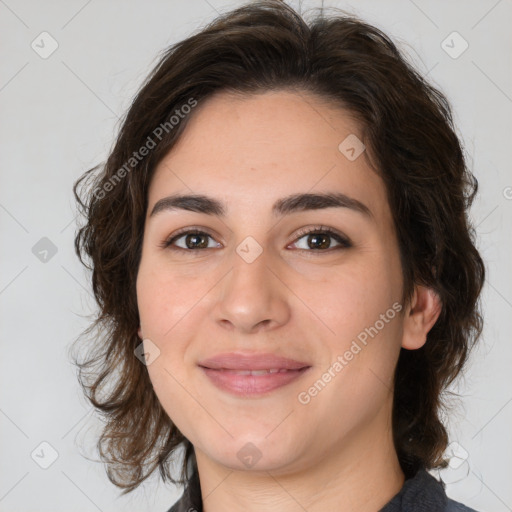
[[59, 118]]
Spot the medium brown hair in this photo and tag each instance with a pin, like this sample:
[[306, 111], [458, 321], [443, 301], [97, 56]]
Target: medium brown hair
[[408, 130]]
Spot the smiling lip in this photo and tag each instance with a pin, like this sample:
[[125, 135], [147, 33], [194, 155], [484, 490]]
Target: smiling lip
[[239, 361], [257, 374]]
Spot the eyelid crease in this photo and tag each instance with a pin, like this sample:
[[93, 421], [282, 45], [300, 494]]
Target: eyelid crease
[[318, 229]]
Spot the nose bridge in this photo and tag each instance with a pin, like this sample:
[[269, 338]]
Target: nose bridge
[[251, 266], [251, 294]]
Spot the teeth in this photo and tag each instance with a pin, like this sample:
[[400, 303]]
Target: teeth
[[255, 372]]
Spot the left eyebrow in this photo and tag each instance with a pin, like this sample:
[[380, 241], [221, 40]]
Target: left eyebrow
[[294, 203]]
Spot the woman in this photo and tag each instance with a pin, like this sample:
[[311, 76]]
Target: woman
[[285, 270]]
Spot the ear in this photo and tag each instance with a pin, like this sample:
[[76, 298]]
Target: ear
[[421, 316], [139, 332]]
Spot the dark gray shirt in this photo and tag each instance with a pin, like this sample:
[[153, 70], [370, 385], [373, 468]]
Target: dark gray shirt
[[421, 493]]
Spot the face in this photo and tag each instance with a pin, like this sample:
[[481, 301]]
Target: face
[[314, 282]]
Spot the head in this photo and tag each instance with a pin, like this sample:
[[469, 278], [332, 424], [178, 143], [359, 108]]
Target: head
[[278, 121]]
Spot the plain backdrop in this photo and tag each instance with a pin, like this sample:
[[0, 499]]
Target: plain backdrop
[[60, 116]]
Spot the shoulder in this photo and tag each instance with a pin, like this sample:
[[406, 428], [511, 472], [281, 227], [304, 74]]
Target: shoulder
[[185, 505], [182, 506], [455, 506], [424, 493]]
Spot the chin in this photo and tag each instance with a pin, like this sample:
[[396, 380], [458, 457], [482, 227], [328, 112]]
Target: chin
[[257, 453]]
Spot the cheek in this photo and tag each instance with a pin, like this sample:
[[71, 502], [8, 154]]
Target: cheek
[[170, 308], [174, 392], [352, 297], [166, 309], [358, 313], [164, 299]]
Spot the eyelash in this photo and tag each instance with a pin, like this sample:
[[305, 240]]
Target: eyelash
[[318, 230]]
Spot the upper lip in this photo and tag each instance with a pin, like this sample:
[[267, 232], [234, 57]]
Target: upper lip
[[239, 361]]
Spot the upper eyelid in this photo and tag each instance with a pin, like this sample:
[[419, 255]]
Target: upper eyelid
[[300, 234]]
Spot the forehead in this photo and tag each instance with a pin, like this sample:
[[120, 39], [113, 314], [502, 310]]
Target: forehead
[[252, 150]]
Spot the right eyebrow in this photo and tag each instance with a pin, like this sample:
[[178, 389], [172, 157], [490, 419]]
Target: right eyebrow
[[293, 203]]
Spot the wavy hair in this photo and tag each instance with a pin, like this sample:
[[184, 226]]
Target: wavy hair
[[408, 129]]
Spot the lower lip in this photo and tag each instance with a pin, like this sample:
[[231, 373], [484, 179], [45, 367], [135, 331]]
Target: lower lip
[[243, 385]]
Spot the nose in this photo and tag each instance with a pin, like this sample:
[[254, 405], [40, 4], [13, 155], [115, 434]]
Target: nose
[[252, 297]]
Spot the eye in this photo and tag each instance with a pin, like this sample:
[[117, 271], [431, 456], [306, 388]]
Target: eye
[[193, 239], [317, 239]]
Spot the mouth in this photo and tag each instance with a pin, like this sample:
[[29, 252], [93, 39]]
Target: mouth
[[252, 362], [252, 375], [254, 372]]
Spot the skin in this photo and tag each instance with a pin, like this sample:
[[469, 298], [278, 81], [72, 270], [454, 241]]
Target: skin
[[335, 452]]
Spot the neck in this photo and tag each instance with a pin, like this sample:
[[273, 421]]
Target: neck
[[361, 473]]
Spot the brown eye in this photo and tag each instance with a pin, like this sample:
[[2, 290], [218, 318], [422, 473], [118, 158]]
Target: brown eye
[[192, 240], [320, 239], [317, 239]]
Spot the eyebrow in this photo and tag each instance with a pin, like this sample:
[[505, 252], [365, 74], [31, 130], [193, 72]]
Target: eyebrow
[[294, 203]]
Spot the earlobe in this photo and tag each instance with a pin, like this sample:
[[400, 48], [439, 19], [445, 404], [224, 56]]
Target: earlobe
[[422, 315], [139, 332]]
